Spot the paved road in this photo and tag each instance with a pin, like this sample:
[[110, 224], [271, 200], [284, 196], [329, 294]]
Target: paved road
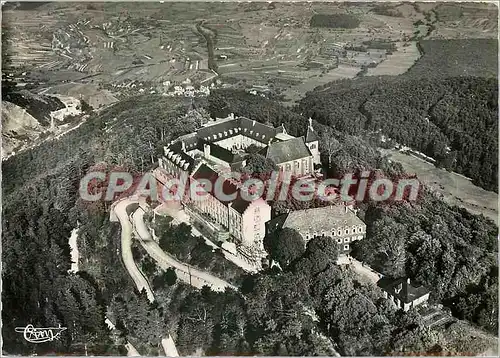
[[188, 274], [169, 346], [180, 216], [126, 245]]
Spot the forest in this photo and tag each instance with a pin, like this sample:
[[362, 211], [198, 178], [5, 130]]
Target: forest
[[41, 207], [311, 306], [452, 58], [457, 247], [453, 120]]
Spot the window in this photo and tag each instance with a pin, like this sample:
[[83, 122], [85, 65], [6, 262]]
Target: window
[[347, 231], [297, 164], [360, 237], [263, 136], [313, 146], [346, 239], [346, 247], [288, 167], [333, 232], [339, 241], [220, 135], [339, 233], [231, 132]]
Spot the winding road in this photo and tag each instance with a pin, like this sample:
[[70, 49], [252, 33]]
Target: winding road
[[120, 211], [186, 273]]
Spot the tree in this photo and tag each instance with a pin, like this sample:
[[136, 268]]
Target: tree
[[170, 276], [258, 164], [321, 252], [285, 246]]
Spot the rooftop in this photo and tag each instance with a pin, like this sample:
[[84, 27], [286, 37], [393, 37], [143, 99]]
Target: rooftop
[[286, 151], [402, 288], [327, 218], [311, 135]]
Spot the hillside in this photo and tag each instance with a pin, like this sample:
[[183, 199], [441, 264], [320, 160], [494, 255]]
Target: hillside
[[449, 58], [436, 108], [28, 117], [42, 207], [104, 87]]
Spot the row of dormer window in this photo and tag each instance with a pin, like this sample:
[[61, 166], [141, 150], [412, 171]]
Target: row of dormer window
[[236, 130]]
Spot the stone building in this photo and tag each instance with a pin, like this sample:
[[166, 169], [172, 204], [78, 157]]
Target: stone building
[[243, 220], [339, 222], [291, 156], [220, 147]]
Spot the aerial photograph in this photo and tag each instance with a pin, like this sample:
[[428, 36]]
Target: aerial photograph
[[249, 178]]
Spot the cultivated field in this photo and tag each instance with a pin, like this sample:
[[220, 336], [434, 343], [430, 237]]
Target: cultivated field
[[399, 62], [455, 188], [263, 44]]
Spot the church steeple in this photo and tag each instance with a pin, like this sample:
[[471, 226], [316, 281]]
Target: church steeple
[[311, 135]]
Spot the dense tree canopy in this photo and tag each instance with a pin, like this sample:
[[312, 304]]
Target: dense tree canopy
[[284, 246], [447, 249], [454, 121]]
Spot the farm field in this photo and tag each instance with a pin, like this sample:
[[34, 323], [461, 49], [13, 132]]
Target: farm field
[[455, 188], [262, 44], [399, 62]]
